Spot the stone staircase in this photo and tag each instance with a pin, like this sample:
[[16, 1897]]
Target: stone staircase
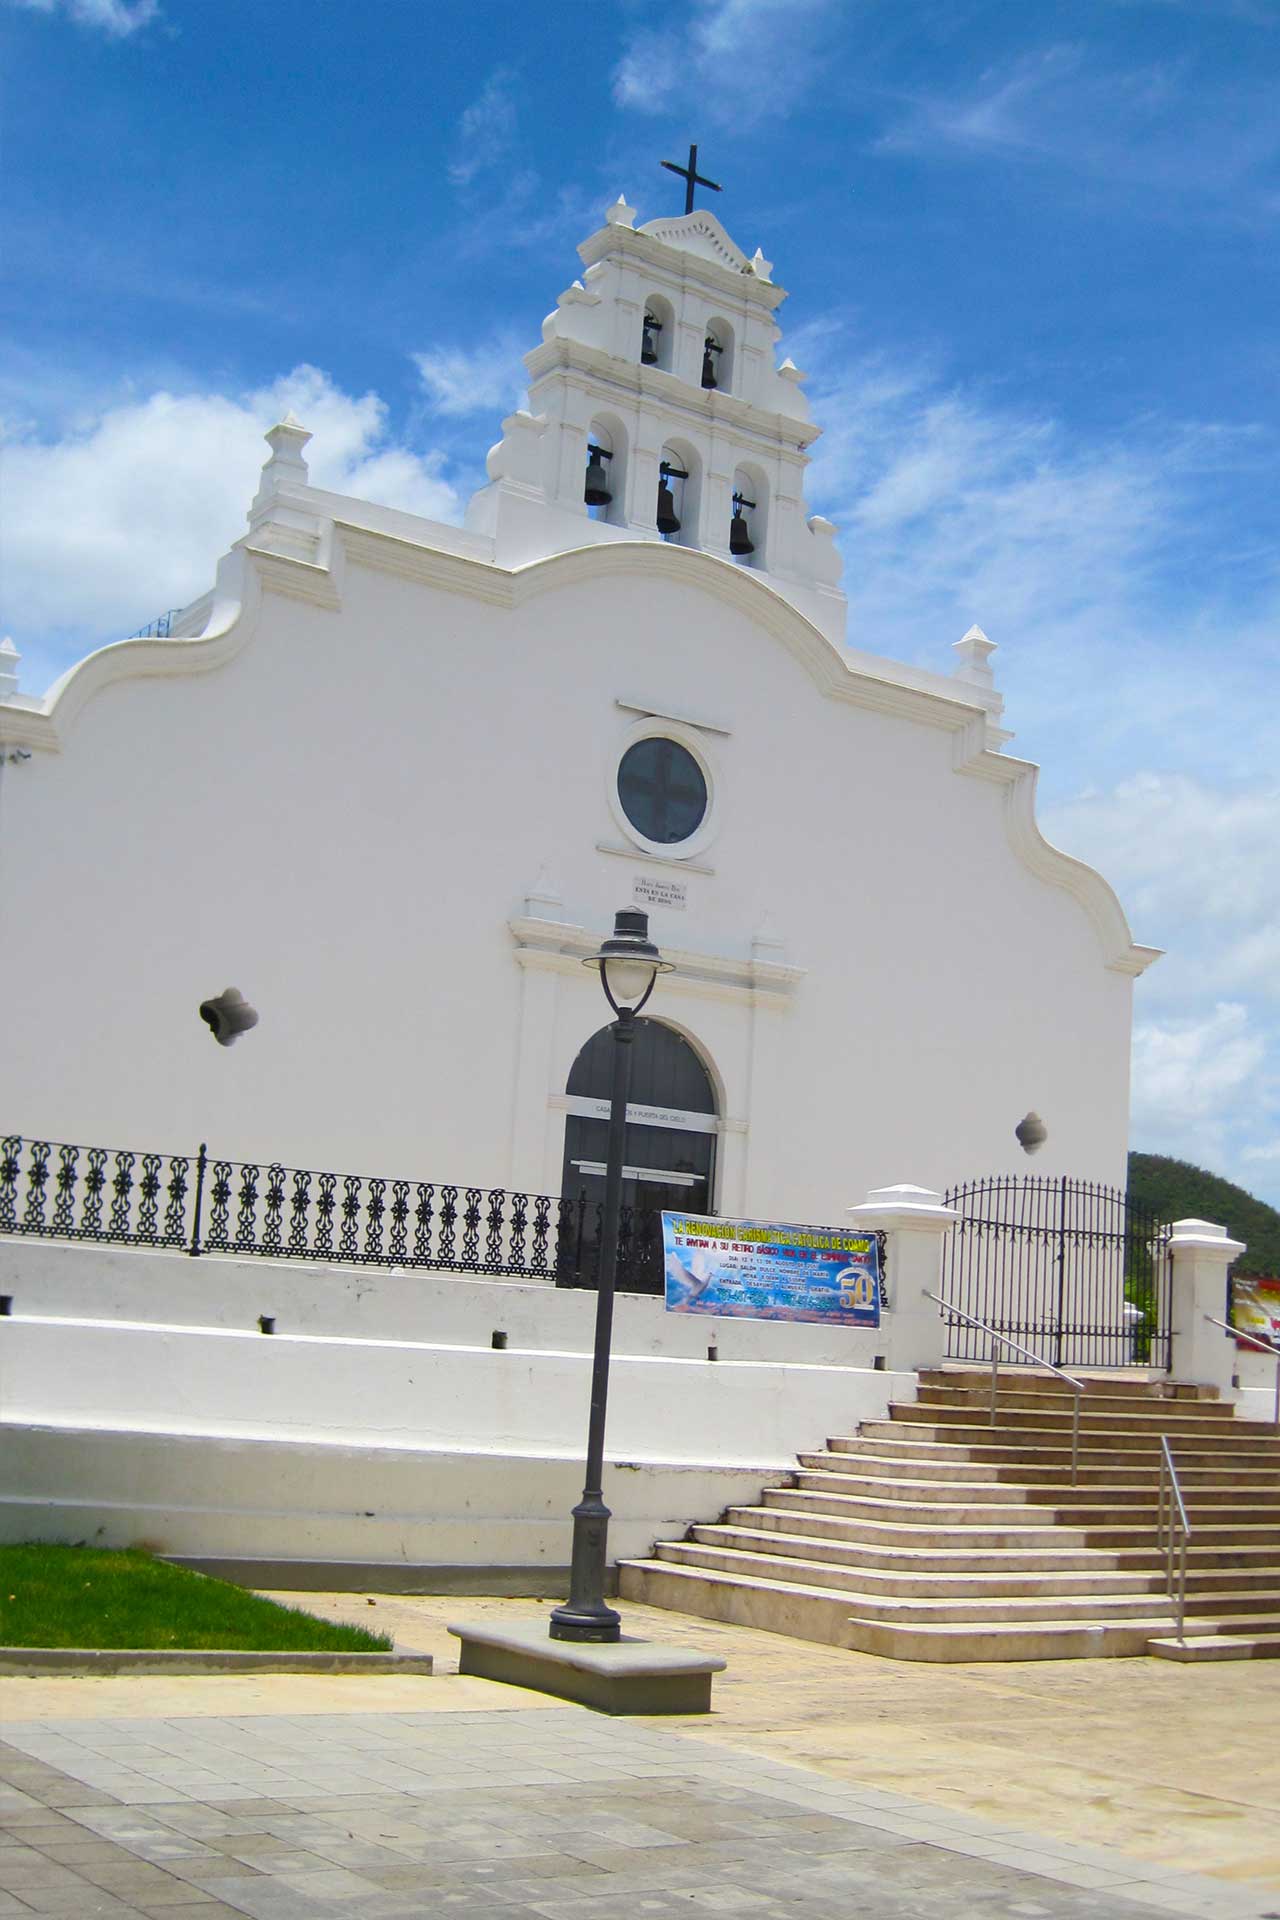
[[934, 1536]]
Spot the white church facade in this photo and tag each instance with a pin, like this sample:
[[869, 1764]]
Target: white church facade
[[391, 779]]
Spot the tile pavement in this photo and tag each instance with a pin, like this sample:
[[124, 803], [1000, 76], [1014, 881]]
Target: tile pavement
[[557, 1814]]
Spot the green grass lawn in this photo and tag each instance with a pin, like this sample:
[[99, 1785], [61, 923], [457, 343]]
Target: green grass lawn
[[84, 1597]]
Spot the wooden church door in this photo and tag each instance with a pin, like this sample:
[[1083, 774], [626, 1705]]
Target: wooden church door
[[668, 1159]]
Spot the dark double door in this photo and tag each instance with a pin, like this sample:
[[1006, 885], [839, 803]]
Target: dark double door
[[668, 1159]]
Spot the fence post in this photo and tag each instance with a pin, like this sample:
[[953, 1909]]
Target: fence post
[[915, 1221], [1201, 1253], [201, 1159]]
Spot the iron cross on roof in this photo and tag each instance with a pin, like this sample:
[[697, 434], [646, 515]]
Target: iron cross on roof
[[692, 178]]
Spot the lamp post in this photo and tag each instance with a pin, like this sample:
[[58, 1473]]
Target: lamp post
[[629, 965]]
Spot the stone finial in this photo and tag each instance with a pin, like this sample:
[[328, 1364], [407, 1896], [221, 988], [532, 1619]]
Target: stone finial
[[9, 658], [790, 371], [285, 468], [762, 268], [620, 214], [286, 442], [972, 656]]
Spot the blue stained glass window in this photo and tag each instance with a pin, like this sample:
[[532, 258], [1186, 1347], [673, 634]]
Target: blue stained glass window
[[663, 790]]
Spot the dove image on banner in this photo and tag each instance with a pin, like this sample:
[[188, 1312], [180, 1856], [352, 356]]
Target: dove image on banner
[[758, 1270]]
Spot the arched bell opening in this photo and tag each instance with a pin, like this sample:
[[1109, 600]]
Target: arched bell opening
[[668, 1152], [748, 524], [679, 494], [657, 333], [605, 478], [717, 357]]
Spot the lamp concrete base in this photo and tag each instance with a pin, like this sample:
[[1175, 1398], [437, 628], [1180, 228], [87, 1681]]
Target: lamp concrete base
[[628, 1676]]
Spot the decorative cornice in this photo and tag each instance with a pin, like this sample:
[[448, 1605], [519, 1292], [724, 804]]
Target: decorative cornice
[[1084, 883], [561, 946], [662, 393], [648, 249], [246, 572], [296, 579]]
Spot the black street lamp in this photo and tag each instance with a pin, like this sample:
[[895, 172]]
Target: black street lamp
[[629, 965]]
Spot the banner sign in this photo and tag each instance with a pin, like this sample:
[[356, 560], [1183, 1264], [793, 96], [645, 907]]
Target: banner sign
[[749, 1269], [1255, 1306]]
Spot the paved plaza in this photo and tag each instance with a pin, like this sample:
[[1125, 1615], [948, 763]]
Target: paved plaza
[[296, 1797]]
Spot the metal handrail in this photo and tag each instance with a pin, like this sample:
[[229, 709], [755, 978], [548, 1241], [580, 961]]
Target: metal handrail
[[1259, 1346], [1171, 1509], [998, 1340]]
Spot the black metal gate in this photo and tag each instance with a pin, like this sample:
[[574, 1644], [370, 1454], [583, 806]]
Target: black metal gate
[[1067, 1267]]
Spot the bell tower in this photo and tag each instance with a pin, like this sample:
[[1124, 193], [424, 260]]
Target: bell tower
[[657, 412]]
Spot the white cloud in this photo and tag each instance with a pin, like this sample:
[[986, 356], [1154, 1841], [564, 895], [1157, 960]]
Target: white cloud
[[480, 379], [1126, 127], [486, 130], [744, 60], [1197, 868], [107, 526], [116, 17], [1191, 1078]]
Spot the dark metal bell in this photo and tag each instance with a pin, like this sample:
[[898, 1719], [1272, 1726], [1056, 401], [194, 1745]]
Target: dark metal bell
[[667, 521], [648, 342], [740, 541], [596, 491], [708, 367]]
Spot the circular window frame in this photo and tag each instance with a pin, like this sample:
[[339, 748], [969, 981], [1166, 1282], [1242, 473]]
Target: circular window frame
[[655, 728]]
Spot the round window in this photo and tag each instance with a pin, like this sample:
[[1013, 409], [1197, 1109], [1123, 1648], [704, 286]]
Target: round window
[[663, 790]]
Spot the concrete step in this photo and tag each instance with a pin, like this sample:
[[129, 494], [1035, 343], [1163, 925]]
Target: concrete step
[[943, 1526], [945, 1508], [1258, 1446], [1116, 1380], [1217, 1646], [873, 1460], [1043, 1419], [884, 1571], [927, 1480], [1011, 1393], [879, 1545], [1013, 1640], [1252, 1444], [875, 1603], [883, 1546], [842, 1472], [775, 1606]]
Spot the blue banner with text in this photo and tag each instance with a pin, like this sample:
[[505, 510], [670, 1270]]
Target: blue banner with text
[[756, 1270]]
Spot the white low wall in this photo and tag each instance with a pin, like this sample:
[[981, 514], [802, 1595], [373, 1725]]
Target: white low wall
[[1255, 1397], [130, 1376], [93, 1282], [340, 1439], [402, 1508]]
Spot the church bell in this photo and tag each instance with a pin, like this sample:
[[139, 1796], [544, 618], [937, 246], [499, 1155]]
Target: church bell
[[740, 541], [649, 342], [667, 519], [710, 347], [596, 490]]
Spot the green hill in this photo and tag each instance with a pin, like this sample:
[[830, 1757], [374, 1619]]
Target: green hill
[[1175, 1190]]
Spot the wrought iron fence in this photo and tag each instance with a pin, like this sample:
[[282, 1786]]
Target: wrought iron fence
[[205, 1204], [94, 1193], [1067, 1266]]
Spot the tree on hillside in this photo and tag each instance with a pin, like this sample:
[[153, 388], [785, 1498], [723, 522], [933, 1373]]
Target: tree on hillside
[[1176, 1190]]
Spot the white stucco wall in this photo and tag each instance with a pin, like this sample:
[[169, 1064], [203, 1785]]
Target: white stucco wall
[[343, 817]]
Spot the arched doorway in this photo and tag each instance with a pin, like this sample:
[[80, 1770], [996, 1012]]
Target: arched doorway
[[668, 1158]]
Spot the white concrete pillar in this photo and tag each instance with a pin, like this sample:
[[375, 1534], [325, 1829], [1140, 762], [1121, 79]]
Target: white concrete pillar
[[915, 1220], [1201, 1353]]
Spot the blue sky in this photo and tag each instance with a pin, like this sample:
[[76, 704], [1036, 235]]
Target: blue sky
[[1032, 252]]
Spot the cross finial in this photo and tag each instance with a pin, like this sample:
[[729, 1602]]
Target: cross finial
[[692, 178]]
